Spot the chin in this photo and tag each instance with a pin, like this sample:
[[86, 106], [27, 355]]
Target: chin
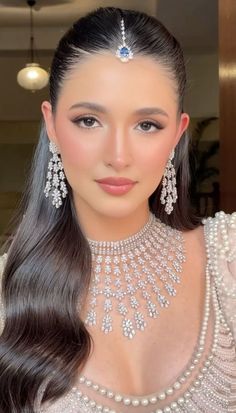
[[119, 210]]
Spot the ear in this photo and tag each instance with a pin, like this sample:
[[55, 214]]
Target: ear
[[182, 127], [46, 109]]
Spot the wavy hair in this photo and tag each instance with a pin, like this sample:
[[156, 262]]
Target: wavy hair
[[44, 343]]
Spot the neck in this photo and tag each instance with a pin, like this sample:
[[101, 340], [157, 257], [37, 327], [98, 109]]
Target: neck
[[99, 227]]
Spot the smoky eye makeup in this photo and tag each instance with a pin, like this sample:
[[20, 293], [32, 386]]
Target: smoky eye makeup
[[91, 122], [146, 124], [87, 121]]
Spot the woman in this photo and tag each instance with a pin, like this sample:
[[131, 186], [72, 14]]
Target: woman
[[116, 298]]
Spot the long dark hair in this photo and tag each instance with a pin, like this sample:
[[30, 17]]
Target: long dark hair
[[44, 342]]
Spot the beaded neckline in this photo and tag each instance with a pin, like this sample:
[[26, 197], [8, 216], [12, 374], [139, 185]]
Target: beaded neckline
[[215, 388], [195, 359]]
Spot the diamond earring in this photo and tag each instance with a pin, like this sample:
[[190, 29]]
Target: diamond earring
[[55, 185], [169, 192]]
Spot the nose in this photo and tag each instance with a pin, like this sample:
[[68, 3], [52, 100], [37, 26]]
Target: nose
[[117, 150]]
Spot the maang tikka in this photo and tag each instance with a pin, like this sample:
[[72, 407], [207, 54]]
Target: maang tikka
[[169, 192], [124, 52], [55, 185]]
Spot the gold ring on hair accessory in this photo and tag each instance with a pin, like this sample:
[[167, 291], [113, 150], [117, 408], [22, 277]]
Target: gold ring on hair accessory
[[124, 53]]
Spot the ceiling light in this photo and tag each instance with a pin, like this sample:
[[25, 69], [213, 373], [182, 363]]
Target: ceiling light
[[32, 76]]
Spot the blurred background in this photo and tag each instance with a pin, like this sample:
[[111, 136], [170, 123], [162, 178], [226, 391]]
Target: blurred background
[[194, 23]]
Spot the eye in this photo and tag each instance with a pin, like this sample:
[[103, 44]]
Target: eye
[[87, 122], [150, 126]]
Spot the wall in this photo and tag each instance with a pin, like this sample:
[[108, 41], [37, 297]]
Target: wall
[[202, 94]]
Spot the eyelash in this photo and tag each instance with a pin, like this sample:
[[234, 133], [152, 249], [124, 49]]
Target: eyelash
[[157, 125]]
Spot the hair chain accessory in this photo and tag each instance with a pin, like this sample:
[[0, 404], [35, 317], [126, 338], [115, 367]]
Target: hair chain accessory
[[124, 52], [134, 278], [169, 192], [55, 185]]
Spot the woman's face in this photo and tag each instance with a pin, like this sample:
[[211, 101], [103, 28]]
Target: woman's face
[[115, 119]]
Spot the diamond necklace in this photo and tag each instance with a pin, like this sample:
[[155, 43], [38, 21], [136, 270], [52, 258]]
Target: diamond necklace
[[196, 359], [135, 276]]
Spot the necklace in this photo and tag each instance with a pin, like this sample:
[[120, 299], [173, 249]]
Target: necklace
[[210, 389], [127, 275], [152, 399]]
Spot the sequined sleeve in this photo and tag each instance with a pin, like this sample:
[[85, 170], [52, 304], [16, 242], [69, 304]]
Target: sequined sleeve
[[2, 263], [221, 235]]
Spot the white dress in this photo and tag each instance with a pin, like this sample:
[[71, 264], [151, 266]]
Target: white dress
[[215, 389]]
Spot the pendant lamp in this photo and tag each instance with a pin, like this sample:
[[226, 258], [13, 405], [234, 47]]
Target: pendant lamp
[[32, 76]]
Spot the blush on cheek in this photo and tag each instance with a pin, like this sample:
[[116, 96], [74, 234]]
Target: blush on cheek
[[69, 159], [75, 157], [75, 146], [69, 152], [156, 162]]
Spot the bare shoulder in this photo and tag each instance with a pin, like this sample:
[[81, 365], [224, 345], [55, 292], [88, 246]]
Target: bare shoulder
[[195, 241], [195, 233]]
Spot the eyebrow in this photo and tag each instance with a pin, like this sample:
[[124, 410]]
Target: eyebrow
[[99, 108]]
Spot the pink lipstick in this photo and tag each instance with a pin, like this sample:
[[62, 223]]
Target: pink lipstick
[[116, 186]]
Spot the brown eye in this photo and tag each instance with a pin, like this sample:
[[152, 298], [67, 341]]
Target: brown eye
[[147, 126], [86, 122]]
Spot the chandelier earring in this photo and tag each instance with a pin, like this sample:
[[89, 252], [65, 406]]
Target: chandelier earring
[[55, 184], [169, 192]]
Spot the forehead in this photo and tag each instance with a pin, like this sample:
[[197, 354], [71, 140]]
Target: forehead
[[103, 77]]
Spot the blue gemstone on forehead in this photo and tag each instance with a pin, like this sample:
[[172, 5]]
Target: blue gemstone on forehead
[[124, 52]]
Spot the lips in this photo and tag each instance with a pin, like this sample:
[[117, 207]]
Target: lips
[[115, 181]]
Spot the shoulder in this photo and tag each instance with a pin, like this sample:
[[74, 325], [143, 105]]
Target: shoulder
[[220, 235]]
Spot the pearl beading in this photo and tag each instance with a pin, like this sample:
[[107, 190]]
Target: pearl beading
[[187, 402], [211, 395], [154, 398], [186, 374], [220, 247]]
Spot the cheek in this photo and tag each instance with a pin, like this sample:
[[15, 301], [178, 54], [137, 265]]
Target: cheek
[[156, 161], [154, 157], [76, 158], [77, 152]]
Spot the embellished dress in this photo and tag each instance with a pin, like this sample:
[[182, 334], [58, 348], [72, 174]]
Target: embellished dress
[[208, 384]]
